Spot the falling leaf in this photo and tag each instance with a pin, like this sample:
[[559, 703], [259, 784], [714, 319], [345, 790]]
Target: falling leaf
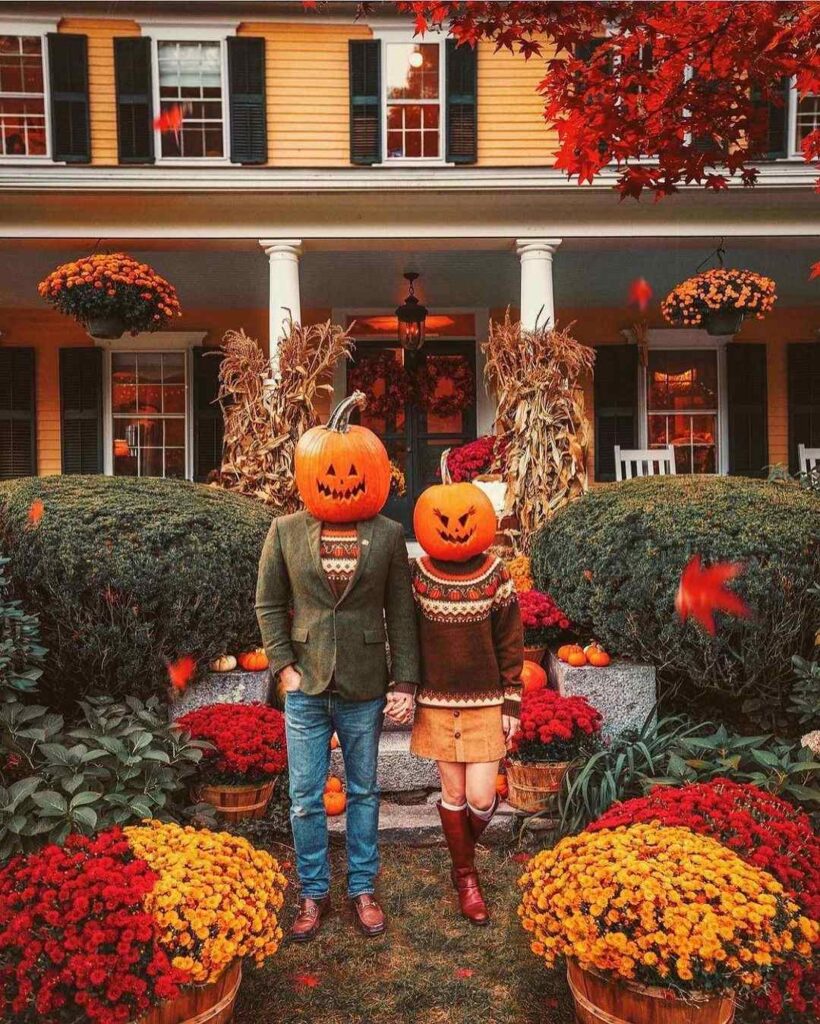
[[640, 294], [181, 671], [35, 512], [169, 120], [464, 972], [521, 858], [286, 865], [815, 270], [701, 593], [305, 980]]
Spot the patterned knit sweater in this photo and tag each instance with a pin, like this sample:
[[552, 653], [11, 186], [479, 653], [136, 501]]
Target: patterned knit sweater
[[339, 551], [470, 634]]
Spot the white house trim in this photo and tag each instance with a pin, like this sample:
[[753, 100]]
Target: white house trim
[[34, 25]]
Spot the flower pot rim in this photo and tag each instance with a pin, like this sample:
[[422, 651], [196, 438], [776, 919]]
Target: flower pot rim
[[530, 764], [238, 787], [696, 996]]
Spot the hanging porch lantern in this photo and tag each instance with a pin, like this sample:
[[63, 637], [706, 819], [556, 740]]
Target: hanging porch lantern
[[411, 316]]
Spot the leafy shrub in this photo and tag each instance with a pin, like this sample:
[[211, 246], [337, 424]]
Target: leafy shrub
[[613, 559], [129, 575], [21, 653]]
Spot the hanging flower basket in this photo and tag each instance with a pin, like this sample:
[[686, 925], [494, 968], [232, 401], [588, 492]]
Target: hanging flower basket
[[110, 293], [719, 300]]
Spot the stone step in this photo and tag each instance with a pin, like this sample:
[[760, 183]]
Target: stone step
[[399, 770], [221, 688]]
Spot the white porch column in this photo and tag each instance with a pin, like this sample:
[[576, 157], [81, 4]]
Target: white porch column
[[537, 299], [284, 302]]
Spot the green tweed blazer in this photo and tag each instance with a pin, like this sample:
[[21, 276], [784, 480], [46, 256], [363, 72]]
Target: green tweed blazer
[[344, 638]]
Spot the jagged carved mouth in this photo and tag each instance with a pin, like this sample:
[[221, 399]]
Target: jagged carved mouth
[[341, 495], [452, 538]]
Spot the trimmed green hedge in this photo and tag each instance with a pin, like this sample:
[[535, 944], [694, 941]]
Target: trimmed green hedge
[[613, 559], [127, 575]]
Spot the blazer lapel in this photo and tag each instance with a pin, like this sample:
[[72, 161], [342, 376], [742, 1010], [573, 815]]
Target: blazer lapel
[[314, 536], [364, 531]]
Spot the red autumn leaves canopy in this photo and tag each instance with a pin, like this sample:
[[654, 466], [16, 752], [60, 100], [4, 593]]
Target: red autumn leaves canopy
[[248, 742]]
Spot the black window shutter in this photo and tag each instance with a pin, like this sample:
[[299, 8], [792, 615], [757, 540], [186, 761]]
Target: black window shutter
[[68, 79], [246, 78], [616, 404], [804, 397], [462, 92], [208, 423], [364, 64], [776, 120], [748, 409], [132, 67], [18, 423], [81, 414]]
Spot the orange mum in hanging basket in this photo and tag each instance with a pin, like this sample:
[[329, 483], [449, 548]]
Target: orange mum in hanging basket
[[111, 286], [699, 299]]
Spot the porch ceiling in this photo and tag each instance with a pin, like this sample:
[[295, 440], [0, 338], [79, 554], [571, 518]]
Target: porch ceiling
[[233, 273]]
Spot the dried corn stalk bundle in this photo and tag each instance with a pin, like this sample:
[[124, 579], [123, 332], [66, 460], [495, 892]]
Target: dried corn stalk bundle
[[264, 419], [536, 376]]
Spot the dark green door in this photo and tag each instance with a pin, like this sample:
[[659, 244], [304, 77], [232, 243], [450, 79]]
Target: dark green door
[[414, 436]]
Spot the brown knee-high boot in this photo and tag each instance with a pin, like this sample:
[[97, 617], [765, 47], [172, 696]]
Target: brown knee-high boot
[[461, 844]]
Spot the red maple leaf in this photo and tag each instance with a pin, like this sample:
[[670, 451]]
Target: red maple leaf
[[35, 512], [181, 671], [169, 120], [701, 593], [305, 980], [640, 293], [815, 270], [464, 972], [521, 858]]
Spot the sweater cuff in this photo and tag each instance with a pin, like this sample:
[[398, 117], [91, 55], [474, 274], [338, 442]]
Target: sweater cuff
[[511, 707], [404, 688]]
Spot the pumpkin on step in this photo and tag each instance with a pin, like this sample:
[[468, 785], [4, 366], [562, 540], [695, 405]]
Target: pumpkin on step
[[224, 663], [254, 661], [342, 471], [533, 677], [454, 522], [335, 803], [333, 784]]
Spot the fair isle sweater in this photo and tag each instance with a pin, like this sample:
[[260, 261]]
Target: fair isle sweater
[[470, 634]]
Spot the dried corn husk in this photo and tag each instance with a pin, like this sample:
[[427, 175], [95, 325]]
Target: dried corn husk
[[536, 376], [264, 418]]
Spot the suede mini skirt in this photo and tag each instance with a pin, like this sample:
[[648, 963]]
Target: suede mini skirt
[[466, 735]]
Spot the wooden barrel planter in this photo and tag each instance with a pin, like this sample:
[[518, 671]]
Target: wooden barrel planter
[[532, 785], [535, 654], [237, 803], [200, 1004], [601, 1000]]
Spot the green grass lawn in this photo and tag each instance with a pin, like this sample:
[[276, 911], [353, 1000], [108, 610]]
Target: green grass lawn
[[431, 966]]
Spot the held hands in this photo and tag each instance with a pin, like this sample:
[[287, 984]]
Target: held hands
[[399, 707], [289, 680], [510, 726]]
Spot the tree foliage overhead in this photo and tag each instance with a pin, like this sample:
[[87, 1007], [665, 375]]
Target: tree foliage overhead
[[683, 87]]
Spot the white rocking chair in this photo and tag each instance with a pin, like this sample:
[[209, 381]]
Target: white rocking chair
[[808, 460], [658, 461]]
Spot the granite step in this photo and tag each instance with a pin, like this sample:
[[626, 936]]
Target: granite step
[[399, 770]]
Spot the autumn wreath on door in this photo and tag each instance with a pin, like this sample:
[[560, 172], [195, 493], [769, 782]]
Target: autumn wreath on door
[[442, 386]]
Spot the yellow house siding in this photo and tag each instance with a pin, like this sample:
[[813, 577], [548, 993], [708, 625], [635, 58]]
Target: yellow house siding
[[511, 126], [307, 91], [102, 91]]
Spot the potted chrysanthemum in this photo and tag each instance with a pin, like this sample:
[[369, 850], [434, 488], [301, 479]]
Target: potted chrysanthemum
[[543, 622], [719, 300], [110, 293], [246, 753], [553, 731]]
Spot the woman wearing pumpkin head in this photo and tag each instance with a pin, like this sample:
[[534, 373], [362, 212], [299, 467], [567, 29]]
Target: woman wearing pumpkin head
[[472, 653], [343, 570]]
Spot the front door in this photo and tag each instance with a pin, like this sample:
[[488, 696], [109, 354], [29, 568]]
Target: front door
[[415, 432]]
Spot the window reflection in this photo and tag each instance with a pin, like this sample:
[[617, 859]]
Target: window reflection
[[682, 399], [148, 413]]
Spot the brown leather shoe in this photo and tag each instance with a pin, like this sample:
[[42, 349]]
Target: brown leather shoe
[[369, 915], [309, 917]]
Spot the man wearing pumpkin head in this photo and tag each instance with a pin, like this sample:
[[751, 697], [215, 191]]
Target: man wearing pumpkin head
[[472, 654], [343, 571]]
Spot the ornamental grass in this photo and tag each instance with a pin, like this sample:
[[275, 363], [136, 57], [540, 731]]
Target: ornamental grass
[[247, 742], [216, 898], [742, 290], [661, 906], [112, 284]]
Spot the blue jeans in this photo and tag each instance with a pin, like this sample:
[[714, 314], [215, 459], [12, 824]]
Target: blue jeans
[[310, 721]]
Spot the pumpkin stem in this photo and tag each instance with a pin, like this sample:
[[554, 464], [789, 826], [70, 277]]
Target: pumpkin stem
[[445, 469], [339, 419]]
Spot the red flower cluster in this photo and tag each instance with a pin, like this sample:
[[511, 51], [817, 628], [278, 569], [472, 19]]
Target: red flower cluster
[[765, 831], [75, 942], [539, 612], [470, 460], [553, 727], [248, 741]]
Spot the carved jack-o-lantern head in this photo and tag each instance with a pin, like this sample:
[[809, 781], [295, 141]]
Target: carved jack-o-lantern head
[[342, 470], [454, 522]]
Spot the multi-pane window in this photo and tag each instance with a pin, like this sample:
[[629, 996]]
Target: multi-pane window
[[413, 82], [682, 407], [148, 408], [807, 119], [22, 97], [190, 80]]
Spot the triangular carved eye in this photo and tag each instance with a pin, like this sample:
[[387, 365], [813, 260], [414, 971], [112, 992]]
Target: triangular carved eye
[[463, 519], [352, 470], [330, 470], [444, 520]]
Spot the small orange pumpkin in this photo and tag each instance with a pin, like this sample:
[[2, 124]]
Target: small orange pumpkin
[[453, 522], [333, 784], [342, 471], [577, 658], [563, 652], [335, 803], [598, 657], [533, 677], [501, 788], [254, 661], [334, 742]]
